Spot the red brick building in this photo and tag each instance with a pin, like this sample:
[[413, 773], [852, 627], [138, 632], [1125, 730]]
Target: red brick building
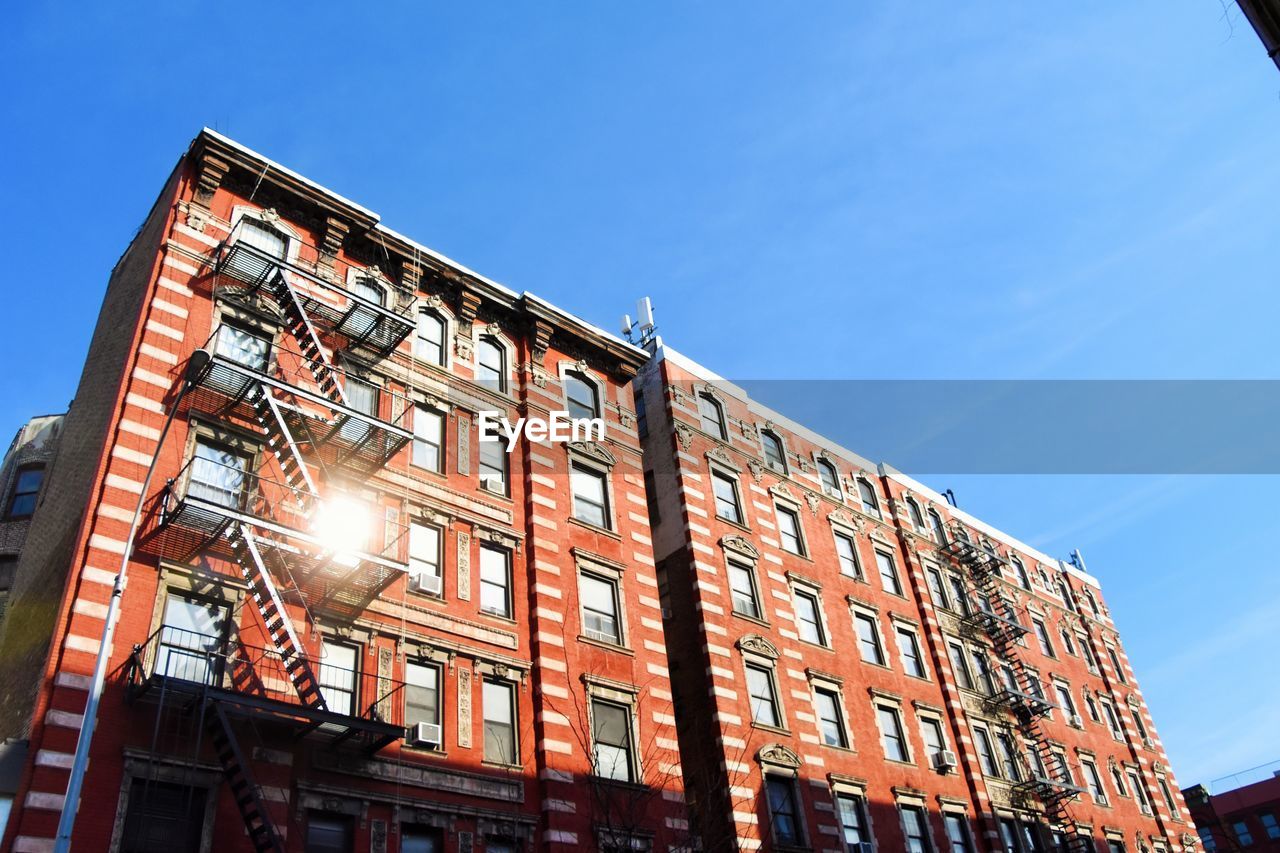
[[349, 624], [858, 664], [1246, 817]]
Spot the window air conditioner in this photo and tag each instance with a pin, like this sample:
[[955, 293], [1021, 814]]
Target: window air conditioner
[[430, 584], [944, 760], [1148, 743], [862, 847], [428, 733], [1077, 721], [492, 484]]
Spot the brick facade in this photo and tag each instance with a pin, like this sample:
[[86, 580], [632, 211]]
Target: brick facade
[[816, 626], [1246, 817]]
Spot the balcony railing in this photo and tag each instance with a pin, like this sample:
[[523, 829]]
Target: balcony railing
[[359, 321], [336, 577], [339, 432], [1025, 705], [363, 709]]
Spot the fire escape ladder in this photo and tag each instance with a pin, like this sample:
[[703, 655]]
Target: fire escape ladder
[[304, 333], [283, 447], [274, 616], [248, 796]]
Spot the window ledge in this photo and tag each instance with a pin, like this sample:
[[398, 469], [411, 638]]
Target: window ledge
[[753, 619], [497, 617], [604, 531], [739, 525], [765, 727], [500, 765], [605, 644]]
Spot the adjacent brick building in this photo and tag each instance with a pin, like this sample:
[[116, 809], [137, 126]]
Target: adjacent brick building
[[858, 664], [349, 624], [22, 478], [1246, 817]]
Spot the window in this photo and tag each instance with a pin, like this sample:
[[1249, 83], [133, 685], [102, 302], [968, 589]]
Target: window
[[429, 343], [789, 530], [611, 741], [764, 700], [891, 735], [931, 734], [163, 817], [957, 833], [1114, 846], [808, 618], [424, 553], [1115, 662], [959, 598], [939, 529], [599, 598], [242, 346], [913, 512], [1206, 838], [1067, 643], [986, 755], [1094, 781], [982, 671], [847, 553], [190, 639], [909, 646], [888, 573], [428, 438], [1030, 838], [870, 505], [491, 368], [1118, 778], [363, 398], [581, 396], [1267, 819], [500, 743], [493, 465], [421, 695], [1139, 791], [830, 720], [960, 665], [263, 237], [868, 639], [642, 417], [1243, 835], [774, 456], [1087, 653], [1042, 637], [1172, 805], [425, 839], [1009, 835], [590, 496], [742, 587], [337, 676], [728, 504], [830, 479], [651, 499], [916, 830], [1008, 757], [937, 591], [1113, 720], [1064, 699], [1067, 597], [711, 416], [1093, 604], [1139, 725], [495, 581], [849, 808], [26, 488], [217, 475], [368, 288], [1024, 579], [1091, 706], [784, 811]]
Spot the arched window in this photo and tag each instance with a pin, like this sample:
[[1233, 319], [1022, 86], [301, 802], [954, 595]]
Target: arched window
[[830, 479], [429, 344], [774, 456], [939, 529], [870, 504], [989, 548], [368, 288], [962, 534], [1093, 604], [712, 416], [1023, 578], [581, 396], [1067, 597], [913, 510], [491, 367]]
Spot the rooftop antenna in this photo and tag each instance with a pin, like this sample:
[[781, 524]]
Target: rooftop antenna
[[1077, 560], [951, 498], [642, 330]]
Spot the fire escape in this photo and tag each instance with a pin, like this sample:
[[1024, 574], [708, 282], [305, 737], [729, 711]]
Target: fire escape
[[273, 525], [1044, 774]]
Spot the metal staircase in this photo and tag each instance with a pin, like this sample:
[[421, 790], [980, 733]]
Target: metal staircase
[[244, 790], [1025, 697]]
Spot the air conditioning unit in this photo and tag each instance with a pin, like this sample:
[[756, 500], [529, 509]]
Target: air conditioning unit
[[430, 584], [493, 484], [944, 760], [1148, 743], [1077, 721], [425, 733], [862, 847]]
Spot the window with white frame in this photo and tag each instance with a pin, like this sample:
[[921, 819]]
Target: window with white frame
[[888, 572], [1008, 754], [851, 809], [931, 735], [495, 580], [742, 588], [582, 398], [1115, 663], [869, 645], [1042, 637], [892, 738], [986, 752], [826, 704], [774, 455], [809, 616], [429, 343], [909, 649], [590, 496], [728, 502], [491, 364], [847, 554], [612, 741], [711, 416], [937, 590], [867, 495], [913, 512], [939, 529], [764, 695], [422, 697], [247, 347], [957, 832], [1094, 781], [218, 474], [1024, 579], [428, 439], [601, 619], [916, 829], [830, 479], [789, 529], [959, 665], [501, 744], [494, 459], [424, 554]]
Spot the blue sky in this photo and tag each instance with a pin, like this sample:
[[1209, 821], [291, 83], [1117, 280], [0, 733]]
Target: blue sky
[[830, 190]]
